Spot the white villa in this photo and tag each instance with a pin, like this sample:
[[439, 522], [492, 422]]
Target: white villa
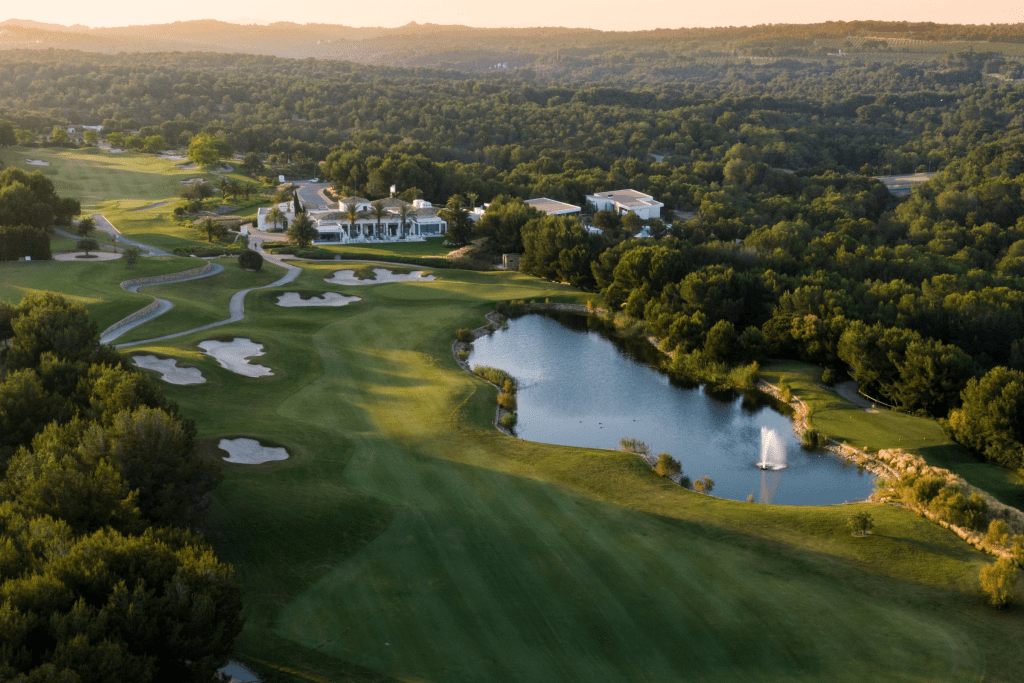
[[335, 227], [624, 201]]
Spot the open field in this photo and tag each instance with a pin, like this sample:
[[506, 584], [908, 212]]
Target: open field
[[124, 187], [95, 285], [846, 422], [406, 536]]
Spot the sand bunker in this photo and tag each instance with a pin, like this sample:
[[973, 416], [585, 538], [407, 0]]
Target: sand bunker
[[250, 452], [172, 157], [293, 299], [188, 167], [169, 370], [348, 277], [37, 162], [233, 356]]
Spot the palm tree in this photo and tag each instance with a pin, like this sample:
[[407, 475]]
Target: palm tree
[[404, 211], [472, 197], [224, 185], [276, 216], [378, 210], [353, 214], [211, 227], [303, 231], [246, 189]]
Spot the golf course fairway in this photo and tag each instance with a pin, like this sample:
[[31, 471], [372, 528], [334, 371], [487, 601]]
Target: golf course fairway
[[405, 538]]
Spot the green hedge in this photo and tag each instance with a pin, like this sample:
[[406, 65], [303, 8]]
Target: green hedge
[[19, 241]]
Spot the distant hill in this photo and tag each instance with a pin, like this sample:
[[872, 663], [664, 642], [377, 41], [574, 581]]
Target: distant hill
[[475, 49]]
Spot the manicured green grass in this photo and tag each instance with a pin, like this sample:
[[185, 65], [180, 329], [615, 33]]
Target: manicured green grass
[[199, 302], [95, 176], [94, 284], [406, 536], [433, 246], [846, 422]]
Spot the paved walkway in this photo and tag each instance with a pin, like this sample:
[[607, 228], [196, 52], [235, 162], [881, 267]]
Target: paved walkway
[[106, 226], [236, 307], [163, 305]]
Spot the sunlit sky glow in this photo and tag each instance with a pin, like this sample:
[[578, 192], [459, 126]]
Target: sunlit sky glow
[[600, 14]]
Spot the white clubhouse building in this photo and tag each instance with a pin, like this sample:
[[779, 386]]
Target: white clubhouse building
[[335, 226]]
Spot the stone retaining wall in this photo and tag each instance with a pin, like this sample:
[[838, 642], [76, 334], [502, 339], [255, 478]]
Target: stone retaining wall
[[164, 279], [142, 312]]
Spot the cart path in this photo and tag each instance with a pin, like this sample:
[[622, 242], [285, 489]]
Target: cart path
[[236, 307]]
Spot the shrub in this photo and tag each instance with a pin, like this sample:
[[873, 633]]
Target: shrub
[[87, 244], [704, 485], [495, 376], [685, 482], [829, 377], [785, 391], [667, 465], [19, 241], [812, 439], [508, 421], [250, 260], [131, 256], [998, 534], [464, 335], [999, 581], [633, 445], [508, 402], [463, 355], [861, 523]]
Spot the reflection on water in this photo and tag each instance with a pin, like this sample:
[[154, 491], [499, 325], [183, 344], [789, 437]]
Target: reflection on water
[[578, 388]]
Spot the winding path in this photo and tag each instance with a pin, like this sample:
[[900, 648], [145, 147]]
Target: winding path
[[106, 226], [159, 306], [236, 307]]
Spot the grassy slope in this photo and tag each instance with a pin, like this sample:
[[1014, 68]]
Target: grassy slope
[[120, 186], [198, 302], [94, 284], [890, 429], [407, 536], [433, 246]]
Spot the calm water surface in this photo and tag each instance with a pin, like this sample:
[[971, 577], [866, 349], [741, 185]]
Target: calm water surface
[[577, 388]]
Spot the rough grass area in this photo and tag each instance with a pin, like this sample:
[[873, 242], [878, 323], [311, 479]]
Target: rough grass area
[[94, 284], [844, 421], [408, 537]]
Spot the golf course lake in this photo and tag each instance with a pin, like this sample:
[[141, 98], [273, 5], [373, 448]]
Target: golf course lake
[[578, 387]]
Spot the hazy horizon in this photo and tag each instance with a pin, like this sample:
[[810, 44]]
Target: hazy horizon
[[602, 15]]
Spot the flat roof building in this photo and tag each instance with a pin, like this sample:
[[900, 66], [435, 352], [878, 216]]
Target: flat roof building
[[623, 201], [552, 207]]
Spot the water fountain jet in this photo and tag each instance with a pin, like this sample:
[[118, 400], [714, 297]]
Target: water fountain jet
[[773, 450]]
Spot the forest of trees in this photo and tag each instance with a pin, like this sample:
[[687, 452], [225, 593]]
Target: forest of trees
[[103, 576]]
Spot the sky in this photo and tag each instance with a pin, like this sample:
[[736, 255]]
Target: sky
[[600, 14]]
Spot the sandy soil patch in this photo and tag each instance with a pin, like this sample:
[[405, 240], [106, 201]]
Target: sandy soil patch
[[294, 299], [348, 277], [37, 162], [79, 256], [250, 452], [169, 370], [234, 355]]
